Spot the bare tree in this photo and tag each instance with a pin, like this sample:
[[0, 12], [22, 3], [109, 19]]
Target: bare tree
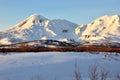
[[93, 73], [55, 78], [37, 77], [107, 41], [117, 77], [104, 74], [77, 73]]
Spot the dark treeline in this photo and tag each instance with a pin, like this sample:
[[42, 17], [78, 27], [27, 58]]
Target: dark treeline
[[53, 45]]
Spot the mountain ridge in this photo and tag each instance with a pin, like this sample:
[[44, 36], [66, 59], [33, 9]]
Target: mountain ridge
[[37, 27]]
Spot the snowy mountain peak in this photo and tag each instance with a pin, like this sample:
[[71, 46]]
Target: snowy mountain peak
[[107, 18], [102, 28], [37, 27], [30, 21], [37, 18], [116, 16]]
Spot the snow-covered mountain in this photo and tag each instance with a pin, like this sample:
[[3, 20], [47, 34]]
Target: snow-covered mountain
[[103, 28], [37, 27]]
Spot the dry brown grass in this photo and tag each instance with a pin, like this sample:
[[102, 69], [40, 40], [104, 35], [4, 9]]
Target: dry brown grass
[[25, 48]]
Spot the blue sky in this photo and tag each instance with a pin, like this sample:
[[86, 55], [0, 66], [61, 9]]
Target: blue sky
[[78, 11]]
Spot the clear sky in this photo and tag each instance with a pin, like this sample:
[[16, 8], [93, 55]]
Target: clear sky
[[78, 11]]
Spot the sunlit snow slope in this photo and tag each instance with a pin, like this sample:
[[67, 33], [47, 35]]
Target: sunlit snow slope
[[105, 27], [37, 27]]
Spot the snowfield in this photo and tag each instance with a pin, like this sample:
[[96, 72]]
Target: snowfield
[[55, 65]]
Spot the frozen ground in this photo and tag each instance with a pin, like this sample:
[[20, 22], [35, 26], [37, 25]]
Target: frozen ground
[[53, 65]]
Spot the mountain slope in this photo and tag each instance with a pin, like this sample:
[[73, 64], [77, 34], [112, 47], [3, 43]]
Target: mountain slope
[[37, 27], [106, 27]]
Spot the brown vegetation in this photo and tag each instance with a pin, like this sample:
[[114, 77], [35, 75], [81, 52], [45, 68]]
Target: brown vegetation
[[24, 48]]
